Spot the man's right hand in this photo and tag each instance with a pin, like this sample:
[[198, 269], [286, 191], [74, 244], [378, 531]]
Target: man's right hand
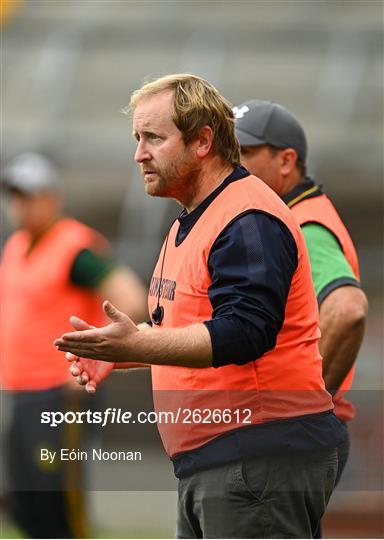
[[88, 373]]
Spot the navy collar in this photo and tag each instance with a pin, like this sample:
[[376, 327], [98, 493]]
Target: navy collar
[[187, 221], [305, 190]]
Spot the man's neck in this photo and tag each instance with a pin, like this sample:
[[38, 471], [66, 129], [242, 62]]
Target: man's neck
[[210, 177], [37, 234], [291, 182]]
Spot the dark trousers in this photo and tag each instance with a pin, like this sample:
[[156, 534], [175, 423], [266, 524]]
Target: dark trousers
[[271, 497], [42, 499], [343, 455]]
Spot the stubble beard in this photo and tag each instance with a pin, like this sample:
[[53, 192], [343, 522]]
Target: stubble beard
[[176, 181]]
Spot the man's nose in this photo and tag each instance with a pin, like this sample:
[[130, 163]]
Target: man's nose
[[142, 154]]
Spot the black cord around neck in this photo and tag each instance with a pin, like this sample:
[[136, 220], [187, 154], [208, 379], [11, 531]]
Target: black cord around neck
[[158, 313]]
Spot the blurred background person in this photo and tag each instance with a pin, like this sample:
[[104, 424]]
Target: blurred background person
[[274, 148], [52, 266]]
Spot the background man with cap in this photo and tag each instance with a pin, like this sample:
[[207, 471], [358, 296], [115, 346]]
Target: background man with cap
[[274, 148], [50, 266]]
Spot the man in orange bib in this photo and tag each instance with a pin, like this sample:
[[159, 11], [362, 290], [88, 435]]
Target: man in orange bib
[[233, 343], [51, 266], [274, 147]]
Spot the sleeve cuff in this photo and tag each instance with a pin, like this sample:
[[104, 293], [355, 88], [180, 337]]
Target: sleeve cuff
[[340, 282], [231, 343], [210, 326]]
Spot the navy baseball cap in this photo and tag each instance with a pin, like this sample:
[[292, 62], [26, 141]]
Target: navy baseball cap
[[265, 122], [30, 173]]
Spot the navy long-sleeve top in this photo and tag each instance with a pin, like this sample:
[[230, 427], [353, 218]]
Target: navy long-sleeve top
[[251, 264]]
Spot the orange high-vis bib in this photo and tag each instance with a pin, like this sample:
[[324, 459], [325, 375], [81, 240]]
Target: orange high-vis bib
[[284, 383], [37, 301], [321, 210]]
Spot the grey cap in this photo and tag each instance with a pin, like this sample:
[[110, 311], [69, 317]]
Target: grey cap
[[30, 173], [265, 122]]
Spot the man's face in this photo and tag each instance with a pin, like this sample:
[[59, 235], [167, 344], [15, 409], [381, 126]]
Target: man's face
[[266, 165], [167, 164], [32, 212]]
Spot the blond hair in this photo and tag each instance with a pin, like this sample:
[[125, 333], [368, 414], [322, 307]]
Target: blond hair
[[196, 103]]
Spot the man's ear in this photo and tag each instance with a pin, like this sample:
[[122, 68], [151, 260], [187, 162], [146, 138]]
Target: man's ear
[[288, 158], [204, 141]]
